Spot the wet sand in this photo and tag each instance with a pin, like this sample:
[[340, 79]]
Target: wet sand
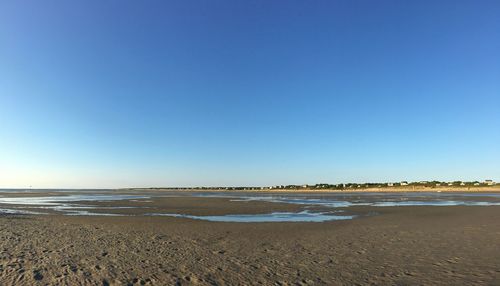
[[423, 245]]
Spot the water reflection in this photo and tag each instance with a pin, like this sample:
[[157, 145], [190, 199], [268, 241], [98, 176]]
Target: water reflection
[[66, 204], [304, 216], [376, 202], [78, 203]]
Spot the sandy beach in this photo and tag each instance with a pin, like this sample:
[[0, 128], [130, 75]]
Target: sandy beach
[[411, 245], [245, 143]]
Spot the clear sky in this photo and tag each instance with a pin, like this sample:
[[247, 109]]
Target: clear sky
[[189, 93]]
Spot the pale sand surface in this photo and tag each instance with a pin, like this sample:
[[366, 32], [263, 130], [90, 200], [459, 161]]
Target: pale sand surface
[[457, 245]]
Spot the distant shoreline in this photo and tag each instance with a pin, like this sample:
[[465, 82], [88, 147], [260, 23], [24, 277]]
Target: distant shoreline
[[416, 189]]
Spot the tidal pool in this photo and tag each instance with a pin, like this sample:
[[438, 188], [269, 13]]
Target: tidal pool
[[303, 216], [81, 203], [366, 201], [65, 204]]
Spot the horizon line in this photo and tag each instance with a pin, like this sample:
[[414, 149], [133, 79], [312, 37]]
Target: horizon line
[[487, 182]]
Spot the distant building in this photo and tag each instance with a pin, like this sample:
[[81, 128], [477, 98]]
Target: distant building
[[404, 183], [462, 184], [390, 184], [489, 182]]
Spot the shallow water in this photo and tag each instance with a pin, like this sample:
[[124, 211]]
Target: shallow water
[[376, 202], [71, 202], [65, 203], [15, 211], [57, 200], [303, 216], [433, 203]]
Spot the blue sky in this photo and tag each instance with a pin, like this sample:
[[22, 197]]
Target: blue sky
[[189, 93]]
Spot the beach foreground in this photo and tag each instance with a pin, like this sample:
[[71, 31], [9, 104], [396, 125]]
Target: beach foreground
[[412, 245]]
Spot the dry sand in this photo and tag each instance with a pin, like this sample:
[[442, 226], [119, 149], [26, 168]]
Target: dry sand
[[399, 246]]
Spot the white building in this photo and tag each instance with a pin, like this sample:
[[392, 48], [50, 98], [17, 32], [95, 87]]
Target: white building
[[489, 182]]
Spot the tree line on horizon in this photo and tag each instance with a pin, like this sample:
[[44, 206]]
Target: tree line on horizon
[[344, 186]]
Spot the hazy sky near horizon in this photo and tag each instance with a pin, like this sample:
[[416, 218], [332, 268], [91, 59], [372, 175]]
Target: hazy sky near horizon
[[188, 93]]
